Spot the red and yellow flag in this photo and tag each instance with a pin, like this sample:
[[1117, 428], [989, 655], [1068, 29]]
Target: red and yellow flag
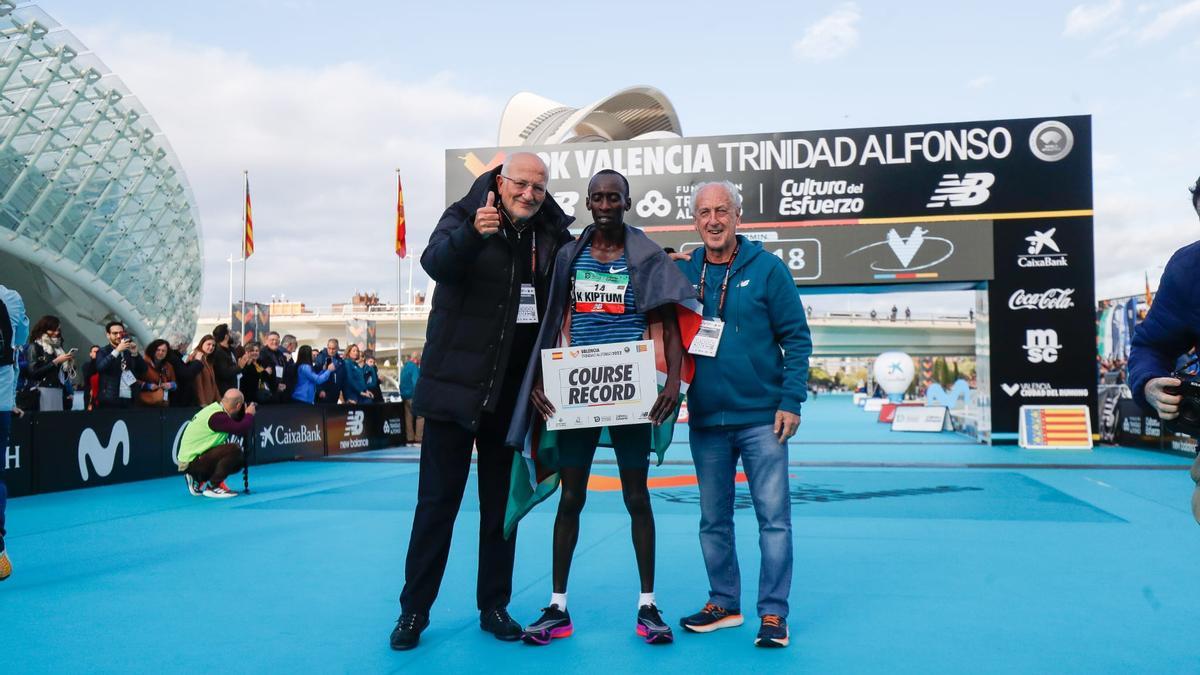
[[401, 246], [248, 239]]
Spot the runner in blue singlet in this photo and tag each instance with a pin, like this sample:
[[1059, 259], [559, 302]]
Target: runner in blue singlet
[[604, 309]]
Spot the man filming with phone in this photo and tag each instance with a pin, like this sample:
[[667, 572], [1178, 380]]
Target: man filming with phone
[[120, 367], [1169, 332]]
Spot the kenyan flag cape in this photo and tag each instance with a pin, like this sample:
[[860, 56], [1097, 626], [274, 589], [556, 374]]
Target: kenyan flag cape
[[534, 470]]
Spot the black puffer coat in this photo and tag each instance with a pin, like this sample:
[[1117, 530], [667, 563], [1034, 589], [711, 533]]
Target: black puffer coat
[[468, 341]]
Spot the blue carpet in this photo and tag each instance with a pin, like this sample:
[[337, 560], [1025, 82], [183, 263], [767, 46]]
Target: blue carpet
[[928, 569]]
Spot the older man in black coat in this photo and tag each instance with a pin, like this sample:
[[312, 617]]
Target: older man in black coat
[[491, 255]]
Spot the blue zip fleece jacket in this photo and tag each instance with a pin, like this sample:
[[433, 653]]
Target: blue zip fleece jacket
[[761, 365], [1172, 327]]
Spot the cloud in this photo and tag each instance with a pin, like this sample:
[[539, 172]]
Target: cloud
[[980, 82], [1087, 19], [1168, 20], [831, 36], [321, 145], [1134, 233]]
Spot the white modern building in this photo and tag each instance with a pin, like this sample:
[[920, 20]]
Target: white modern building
[[630, 114], [97, 221]]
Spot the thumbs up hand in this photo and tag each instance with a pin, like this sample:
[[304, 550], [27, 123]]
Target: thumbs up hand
[[487, 217]]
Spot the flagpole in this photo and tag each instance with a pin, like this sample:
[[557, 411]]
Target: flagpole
[[245, 258], [247, 245], [400, 303]]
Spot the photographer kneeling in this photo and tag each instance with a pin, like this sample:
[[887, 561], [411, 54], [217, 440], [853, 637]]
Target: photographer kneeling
[[208, 452], [1167, 334]]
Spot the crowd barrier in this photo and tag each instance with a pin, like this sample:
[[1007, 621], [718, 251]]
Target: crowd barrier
[[53, 451], [1134, 428]]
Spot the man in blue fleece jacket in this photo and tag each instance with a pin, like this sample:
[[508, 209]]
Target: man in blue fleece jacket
[[1171, 329], [751, 376]]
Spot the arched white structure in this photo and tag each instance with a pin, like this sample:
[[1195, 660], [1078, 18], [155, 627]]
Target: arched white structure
[[633, 113], [96, 217]]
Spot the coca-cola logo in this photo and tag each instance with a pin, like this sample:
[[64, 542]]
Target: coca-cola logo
[[1051, 298]]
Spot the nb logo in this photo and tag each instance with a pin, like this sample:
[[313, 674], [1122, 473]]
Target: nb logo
[[103, 457], [354, 423], [970, 190]]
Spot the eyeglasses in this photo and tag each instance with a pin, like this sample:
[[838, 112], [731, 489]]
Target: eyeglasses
[[539, 190]]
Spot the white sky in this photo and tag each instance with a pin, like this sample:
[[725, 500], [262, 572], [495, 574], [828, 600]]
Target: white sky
[[321, 102]]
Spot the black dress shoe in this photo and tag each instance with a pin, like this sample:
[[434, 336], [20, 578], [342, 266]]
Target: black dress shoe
[[500, 624], [407, 632]]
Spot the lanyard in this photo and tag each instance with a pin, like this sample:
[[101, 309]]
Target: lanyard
[[724, 283]]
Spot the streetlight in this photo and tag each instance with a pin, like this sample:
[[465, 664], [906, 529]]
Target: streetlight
[[231, 260]]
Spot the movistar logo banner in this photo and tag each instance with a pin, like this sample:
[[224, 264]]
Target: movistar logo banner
[[103, 457]]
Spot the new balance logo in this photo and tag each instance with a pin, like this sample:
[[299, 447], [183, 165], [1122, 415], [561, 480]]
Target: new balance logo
[[103, 457], [970, 190], [354, 423], [1041, 345]]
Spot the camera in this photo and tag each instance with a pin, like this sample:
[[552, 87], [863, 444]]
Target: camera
[[1188, 390]]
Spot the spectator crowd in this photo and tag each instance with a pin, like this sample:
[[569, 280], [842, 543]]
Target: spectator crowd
[[123, 374]]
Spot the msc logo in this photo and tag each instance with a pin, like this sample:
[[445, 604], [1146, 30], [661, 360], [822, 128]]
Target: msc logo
[[354, 423], [103, 457], [970, 190], [1041, 345]]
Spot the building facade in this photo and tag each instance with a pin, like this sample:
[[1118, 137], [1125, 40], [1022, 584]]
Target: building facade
[[97, 221]]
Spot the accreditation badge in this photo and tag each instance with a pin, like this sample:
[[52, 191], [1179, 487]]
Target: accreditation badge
[[597, 292], [527, 310], [708, 338], [128, 379]]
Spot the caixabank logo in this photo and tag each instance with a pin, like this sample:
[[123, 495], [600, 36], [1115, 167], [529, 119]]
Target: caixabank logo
[[278, 434], [103, 456], [1042, 251]]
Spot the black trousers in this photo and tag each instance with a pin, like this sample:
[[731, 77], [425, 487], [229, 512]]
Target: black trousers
[[215, 465], [445, 466]]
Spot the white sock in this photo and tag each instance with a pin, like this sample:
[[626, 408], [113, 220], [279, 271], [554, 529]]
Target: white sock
[[559, 599], [645, 599]]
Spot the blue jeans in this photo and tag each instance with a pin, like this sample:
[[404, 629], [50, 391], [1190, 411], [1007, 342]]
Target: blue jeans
[[5, 431], [715, 452]]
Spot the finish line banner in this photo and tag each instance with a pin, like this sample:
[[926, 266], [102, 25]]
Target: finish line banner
[[880, 205], [600, 385]]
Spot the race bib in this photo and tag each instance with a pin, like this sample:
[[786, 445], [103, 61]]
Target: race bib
[[708, 338], [527, 310], [599, 292]]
